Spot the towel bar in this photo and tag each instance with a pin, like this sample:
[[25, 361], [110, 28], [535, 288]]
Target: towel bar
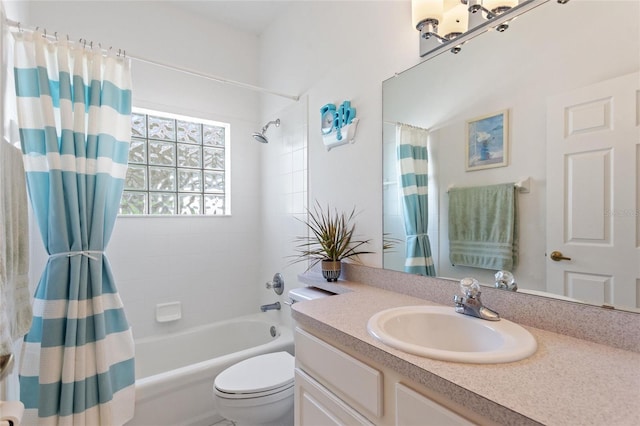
[[523, 185]]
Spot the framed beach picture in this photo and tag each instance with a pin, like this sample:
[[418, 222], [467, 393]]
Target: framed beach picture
[[487, 143]]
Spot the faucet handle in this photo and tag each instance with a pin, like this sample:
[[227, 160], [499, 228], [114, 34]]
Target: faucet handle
[[505, 280], [277, 284], [470, 287]]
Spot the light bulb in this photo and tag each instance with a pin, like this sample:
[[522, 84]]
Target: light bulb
[[455, 22], [426, 9]]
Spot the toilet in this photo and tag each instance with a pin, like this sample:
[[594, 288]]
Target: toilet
[[258, 391]]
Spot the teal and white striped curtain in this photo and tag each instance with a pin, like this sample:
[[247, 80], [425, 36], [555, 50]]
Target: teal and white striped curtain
[[74, 108], [413, 166]]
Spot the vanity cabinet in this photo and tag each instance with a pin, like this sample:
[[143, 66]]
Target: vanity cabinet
[[413, 408], [333, 387], [316, 405]]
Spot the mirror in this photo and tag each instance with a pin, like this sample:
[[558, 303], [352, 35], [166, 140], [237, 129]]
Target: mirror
[[547, 51]]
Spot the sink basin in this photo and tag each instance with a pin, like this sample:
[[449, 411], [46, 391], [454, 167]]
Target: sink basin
[[439, 332]]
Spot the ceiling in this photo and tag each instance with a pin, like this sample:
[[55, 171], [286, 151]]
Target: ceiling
[[252, 16]]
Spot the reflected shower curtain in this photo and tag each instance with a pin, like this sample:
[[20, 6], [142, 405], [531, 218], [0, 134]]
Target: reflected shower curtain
[[74, 107], [413, 166]]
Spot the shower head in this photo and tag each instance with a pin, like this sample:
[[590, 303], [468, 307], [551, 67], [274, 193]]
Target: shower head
[[260, 136]]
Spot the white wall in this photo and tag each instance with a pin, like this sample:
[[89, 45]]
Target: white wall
[[336, 51], [209, 264], [15, 10], [284, 199]]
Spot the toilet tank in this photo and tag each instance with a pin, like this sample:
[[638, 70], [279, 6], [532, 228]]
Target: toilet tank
[[301, 294]]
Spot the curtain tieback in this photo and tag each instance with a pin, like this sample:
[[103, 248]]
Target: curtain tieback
[[87, 253], [418, 235]]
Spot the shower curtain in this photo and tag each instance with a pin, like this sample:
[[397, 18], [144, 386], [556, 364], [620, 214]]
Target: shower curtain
[[413, 166], [74, 106]]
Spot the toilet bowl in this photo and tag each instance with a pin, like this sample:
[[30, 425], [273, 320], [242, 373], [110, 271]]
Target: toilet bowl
[[257, 391]]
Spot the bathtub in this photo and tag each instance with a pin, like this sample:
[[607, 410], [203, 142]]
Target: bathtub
[[175, 373]]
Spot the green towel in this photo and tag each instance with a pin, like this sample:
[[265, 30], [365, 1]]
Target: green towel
[[483, 227]]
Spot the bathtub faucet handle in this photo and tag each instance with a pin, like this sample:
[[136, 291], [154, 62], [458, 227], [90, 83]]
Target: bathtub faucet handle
[[277, 284]]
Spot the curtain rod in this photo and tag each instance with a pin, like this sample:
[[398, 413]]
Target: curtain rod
[[184, 70], [396, 123], [214, 77]]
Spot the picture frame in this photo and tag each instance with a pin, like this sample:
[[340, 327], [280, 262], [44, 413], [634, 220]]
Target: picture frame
[[487, 141]]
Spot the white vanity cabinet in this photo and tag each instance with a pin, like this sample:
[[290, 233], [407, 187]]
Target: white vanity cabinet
[[333, 387], [315, 405]]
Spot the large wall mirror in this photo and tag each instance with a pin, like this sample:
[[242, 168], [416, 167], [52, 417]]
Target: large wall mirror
[[562, 82]]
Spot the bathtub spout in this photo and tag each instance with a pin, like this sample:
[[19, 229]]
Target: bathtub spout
[[265, 308]]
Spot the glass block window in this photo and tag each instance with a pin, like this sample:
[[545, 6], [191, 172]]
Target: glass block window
[[177, 166]]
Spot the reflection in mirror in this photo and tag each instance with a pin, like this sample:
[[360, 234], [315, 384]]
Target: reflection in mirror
[[561, 87]]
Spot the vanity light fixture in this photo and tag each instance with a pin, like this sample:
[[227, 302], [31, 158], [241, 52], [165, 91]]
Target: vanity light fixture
[[432, 21], [454, 22], [490, 9], [495, 6], [450, 23], [426, 16]]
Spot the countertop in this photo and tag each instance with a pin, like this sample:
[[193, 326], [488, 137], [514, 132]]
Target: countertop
[[568, 381]]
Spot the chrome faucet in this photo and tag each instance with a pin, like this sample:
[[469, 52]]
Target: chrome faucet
[[265, 308], [471, 304]]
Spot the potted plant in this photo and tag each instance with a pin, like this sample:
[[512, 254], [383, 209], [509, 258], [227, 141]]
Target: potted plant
[[330, 240]]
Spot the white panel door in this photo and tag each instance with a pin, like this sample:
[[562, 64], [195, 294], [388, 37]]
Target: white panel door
[[592, 163]]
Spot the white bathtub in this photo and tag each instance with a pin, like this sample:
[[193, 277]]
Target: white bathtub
[[175, 373]]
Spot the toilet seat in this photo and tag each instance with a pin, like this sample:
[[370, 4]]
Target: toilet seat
[[256, 377]]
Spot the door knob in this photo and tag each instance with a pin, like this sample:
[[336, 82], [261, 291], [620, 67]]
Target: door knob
[[557, 256]]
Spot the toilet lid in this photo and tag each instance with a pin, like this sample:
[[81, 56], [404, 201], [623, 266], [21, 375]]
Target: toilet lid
[[258, 374]]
